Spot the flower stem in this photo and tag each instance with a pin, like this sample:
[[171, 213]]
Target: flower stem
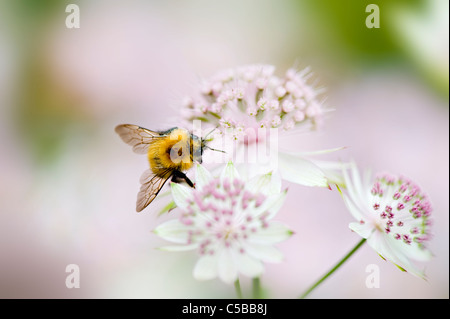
[[256, 288], [237, 287], [339, 264]]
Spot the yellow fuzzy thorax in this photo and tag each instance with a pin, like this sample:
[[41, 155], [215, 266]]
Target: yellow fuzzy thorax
[[171, 152]]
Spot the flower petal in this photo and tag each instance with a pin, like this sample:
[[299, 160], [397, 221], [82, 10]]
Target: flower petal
[[271, 204], [276, 232], [384, 246], [332, 170], [356, 201], [413, 251], [268, 184], [301, 171], [227, 266], [356, 189], [363, 230], [303, 154], [357, 213], [181, 194], [206, 268], [229, 172], [173, 230], [248, 265], [179, 247], [265, 253], [202, 176]]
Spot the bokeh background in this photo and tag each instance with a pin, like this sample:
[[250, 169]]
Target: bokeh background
[[68, 183]]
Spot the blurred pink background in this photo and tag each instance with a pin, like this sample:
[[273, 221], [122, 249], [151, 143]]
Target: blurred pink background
[[68, 183]]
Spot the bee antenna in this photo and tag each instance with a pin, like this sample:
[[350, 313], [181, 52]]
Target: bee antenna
[[213, 149], [206, 136]]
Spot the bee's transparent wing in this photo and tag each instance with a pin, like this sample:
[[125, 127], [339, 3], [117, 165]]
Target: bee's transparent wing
[[136, 136], [151, 185]]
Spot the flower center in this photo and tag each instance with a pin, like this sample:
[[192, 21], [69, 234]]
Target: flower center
[[221, 214], [401, 210]]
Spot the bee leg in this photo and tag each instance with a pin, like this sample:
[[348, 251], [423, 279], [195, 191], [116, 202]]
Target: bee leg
[[179, 177]]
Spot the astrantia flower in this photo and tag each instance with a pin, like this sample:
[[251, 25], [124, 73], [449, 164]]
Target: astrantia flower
[[252, 96], [229, 222], [393, 215], [245, 103]]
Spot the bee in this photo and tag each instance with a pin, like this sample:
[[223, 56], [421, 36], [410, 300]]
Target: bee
[[169, 154]]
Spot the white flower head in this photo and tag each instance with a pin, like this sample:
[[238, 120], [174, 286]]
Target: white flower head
[[229, 222], [251, 96], [253, 110], [393, 215]]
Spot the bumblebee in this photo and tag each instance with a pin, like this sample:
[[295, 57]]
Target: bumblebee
[[169, 154]]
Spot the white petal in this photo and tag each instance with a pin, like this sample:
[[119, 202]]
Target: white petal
[[179, 247], [206, 268], [271, 204], [227, 266], [363, 230], [358, 213], [332, 170], [303, 154], [356, 202], [276, 232], [248, 265], [384, 246], [349, 185], [181, 194], [268, 184], [265, 253], [173, 230], [202, 176], [355, 187], [301, 171], [413, 251], [229, 172]]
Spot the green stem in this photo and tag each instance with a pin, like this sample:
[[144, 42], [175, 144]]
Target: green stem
[[339, 264], [256, 288], [237, 287]]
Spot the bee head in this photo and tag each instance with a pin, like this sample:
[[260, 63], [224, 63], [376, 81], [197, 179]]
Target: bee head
[[197, 146]]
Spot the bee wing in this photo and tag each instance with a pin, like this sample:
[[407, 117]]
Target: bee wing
[[151, 185], [136, 136]]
